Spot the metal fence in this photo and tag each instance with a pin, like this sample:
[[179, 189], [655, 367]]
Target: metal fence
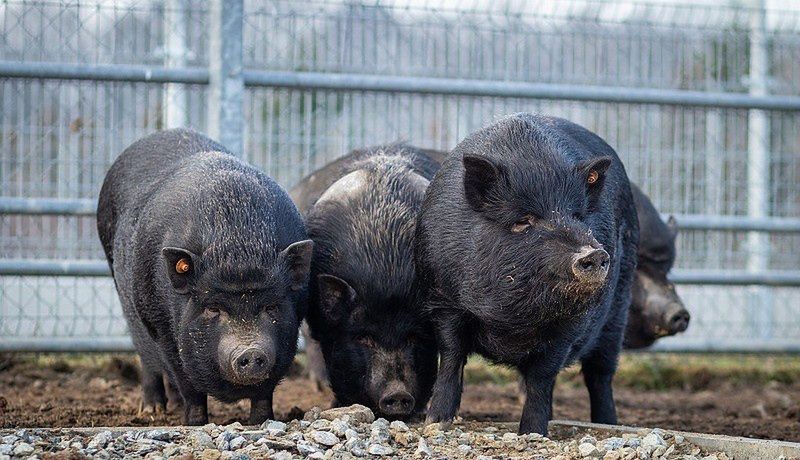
[[701, 100]]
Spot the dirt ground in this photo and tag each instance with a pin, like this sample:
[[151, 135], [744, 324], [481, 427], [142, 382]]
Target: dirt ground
[[103, 391]]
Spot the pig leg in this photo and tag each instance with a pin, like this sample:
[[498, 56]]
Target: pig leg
[[261, 410], [315, 361], [453, 352], [598, 371], [538, 408], [154, 399], [195, 408], [174, 399], [598, 368]]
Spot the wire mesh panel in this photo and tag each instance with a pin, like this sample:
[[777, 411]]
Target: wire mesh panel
[[59, 135]]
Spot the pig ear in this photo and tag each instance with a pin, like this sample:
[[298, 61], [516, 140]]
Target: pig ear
[[480, 175], [335, 297], [594, 171], [297, 257], [181, 268], [672, 225]]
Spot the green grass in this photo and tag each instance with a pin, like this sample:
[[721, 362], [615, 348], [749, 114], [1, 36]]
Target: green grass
[[658, 371]]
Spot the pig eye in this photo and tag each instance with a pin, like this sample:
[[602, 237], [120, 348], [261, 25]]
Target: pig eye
[[211, 312], [521, 225]]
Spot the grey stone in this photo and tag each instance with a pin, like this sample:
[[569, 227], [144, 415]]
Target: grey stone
[[350, 434], [200, 439], [588, 439], [281, 455], [439, 439], [306, 448], [633, 442], [159, 435], [23, 448], [398, 425], [464, 448], [356, 414], [326, 438], [613, 443], [356, 447], [235, 426], [380, 449], [380, 423], [589, 450], [535, 437], [237, 443], [275, 426], [9, 439], [653, 440], [339, 427], [100, 440], [509, 437], [320, 424], [6, 449], [312, 414], [422, 449]]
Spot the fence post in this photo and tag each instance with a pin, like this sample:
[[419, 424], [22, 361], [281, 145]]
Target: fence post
[[175, 110], [226, 84], [758, 168]]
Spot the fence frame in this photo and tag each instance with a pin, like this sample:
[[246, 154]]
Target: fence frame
[[227, 79]]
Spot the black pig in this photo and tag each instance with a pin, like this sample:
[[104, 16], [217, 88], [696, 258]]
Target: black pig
[[525, 251], [211, 262], [656, 310], [364, 311]]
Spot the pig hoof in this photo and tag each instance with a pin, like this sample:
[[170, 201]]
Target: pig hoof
[[151, 409], [173, 406], [433, 423]]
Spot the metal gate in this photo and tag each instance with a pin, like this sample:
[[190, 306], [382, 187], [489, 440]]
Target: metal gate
[[700, 100]]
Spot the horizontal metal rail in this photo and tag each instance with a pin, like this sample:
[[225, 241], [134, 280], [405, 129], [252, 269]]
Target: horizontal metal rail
[[402, 84], [717, 344], [786, 278], [514, 89], [48, 206], [736, 223], [87, 207], [103, 72], [50, 267], [66, 344]]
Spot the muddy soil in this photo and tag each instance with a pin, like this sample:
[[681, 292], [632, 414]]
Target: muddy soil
[[62, 395]]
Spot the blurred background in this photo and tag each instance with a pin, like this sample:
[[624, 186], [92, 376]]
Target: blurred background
[[700, 99]]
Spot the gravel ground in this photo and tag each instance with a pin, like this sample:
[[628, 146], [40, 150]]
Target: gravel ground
[[340, 434]]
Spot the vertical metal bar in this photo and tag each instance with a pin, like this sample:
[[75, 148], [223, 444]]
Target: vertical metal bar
[[226, 85], [175, 110], [758, 158]]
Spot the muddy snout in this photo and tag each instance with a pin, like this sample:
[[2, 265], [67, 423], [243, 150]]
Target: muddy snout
[[590, 266], [677, 318], [246, 363], [396, 400]]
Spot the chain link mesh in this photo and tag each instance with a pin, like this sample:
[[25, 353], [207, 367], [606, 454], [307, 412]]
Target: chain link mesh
[[58, 137]]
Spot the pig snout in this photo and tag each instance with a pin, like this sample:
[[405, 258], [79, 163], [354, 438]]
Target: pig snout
[[251, 365], [245, 363], [677, 319], [590, 265], [396, 400]]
